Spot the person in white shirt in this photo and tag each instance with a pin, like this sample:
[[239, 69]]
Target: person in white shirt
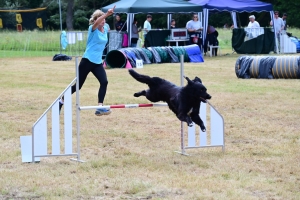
[[147, 26], [278, 26], [194, 29], [253, 23], [278, 23]]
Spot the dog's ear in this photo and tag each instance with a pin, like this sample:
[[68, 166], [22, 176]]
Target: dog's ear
[[197, 79], [188, 80]]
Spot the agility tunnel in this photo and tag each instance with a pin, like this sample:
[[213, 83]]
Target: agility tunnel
[[126, 57], [268, 67]]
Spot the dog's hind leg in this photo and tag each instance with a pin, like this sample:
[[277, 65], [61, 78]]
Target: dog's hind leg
[[141, 93]]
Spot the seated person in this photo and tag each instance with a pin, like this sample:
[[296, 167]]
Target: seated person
[[211, 38], [194, 29]]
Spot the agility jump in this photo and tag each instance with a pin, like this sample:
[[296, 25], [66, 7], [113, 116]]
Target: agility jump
[[35, 146]]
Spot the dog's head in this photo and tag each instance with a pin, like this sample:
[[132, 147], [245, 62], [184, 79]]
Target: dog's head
[[199, 90]]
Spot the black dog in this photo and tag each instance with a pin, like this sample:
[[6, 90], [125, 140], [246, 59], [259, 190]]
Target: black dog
[[183, 101]]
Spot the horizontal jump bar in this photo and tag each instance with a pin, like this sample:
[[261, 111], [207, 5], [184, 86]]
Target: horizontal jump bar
[[124, 106]]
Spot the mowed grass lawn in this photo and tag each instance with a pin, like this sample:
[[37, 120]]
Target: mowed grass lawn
[[130, 154]]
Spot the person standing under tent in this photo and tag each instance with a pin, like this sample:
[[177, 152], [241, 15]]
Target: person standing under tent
[[252, 31], [278, 25], [253, 23], [105, 49], [135, 33], [92, 58], [194, 29], [147, 26], [173, 24], [284, 16], [120, 25], [107, 26]]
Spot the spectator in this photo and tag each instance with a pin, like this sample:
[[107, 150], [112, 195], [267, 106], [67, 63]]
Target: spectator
[[173, 24], [105, 49], [194, 29], [120, 25], [278, 26], [107, 26], [135, 33], [253, 23], [212, 39], [147, 26], [284, 20]]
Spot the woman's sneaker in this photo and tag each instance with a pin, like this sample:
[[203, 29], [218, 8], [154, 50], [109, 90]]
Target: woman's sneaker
[[102, 111]]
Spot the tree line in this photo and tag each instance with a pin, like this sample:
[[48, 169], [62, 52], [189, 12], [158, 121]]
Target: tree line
[[76, 14]]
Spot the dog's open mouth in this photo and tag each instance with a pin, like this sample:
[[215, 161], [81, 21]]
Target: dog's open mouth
[[202, 99]]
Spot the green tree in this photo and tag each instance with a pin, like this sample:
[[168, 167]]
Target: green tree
[[291, 7], [70, 15]]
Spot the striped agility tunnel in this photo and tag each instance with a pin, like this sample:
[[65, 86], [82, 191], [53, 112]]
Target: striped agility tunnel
[[268, 67]]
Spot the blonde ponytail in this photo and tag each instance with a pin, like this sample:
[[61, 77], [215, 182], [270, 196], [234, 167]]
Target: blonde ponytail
[[95, 15]]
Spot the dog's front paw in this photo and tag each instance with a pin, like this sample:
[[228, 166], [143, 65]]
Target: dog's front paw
[[136, 95], [190, 124], [203, 130]]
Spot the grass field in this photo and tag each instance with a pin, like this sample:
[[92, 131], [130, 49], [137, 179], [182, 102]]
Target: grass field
[[129, 154]]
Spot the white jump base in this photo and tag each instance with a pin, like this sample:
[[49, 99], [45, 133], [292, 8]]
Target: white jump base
[[214, 135], [36, 145]]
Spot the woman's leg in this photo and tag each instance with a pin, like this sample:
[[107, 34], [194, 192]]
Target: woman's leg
[[84, 69], [100, 74]]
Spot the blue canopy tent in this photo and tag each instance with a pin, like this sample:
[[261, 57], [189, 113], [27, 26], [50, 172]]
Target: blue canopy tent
[[233, 6], [132, 7], [153, 6]]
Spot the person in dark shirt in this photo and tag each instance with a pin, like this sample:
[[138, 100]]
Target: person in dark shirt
[[211, 39], [135, 33], [173, 24], [284, 20], [120, 25]]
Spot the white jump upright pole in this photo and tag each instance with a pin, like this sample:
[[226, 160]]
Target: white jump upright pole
[[182, 152], [77, 112]]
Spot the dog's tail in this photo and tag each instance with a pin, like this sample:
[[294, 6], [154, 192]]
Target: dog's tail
[[139, 77]]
